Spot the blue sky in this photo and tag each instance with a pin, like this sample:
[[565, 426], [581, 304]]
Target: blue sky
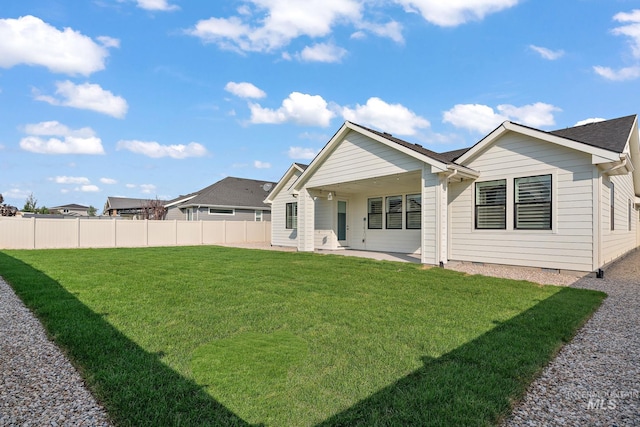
[[157, 98]]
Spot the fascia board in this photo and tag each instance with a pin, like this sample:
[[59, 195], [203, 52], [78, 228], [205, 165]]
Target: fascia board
[[280, 185], [599, 155]]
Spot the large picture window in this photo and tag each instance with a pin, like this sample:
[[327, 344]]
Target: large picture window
[[291, 221], [375, 213], [414, 211], [491, 205], [533, 203], [394, 212]]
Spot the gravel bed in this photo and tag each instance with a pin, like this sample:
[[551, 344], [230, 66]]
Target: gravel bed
[[38, 385], [595, 379]]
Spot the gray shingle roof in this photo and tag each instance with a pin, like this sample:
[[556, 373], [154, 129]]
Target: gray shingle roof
[[610, 135], [415, 147], [127, 203], [231, 191]]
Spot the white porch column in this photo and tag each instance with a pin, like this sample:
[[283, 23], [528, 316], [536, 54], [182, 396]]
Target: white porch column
[[306, 221], [443, 218], [429, 230]]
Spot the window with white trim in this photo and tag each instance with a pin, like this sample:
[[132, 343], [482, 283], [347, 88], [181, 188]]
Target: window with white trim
[[219, 211], [258, 216], [394, 212], [414, 212], [491, 205], [375, 213], [291, 220], [533, 203]]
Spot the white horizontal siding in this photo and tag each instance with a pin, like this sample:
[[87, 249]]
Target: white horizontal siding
[[280, 235], [569, 245], [620, 240], [358, 157]]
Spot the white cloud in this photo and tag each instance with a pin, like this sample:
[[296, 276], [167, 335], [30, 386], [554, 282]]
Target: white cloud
[[160, 5], [631, 30], [69, 141], [455, 12], [261, 165], [244, 90], [88, 188], [475, 117], [267, 25], [549, 54], [30, 41], [302, 153], [108, 181], [70, 180], [147, 188], [591, 120], [87, 96], [393, 118], [154, 150], [391, 29], [627, 73], [535, 115], [298, 108], [483, 119], [16, 194], [322, 52], [130, 185], [107, 41]]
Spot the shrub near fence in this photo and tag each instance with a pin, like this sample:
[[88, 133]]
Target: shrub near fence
[[46, 233]]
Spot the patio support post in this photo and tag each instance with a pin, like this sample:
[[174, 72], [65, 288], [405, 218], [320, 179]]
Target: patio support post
[[306, 221]]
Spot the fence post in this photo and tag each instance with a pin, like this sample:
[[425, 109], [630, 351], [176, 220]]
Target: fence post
[[115, 233], [146, 233], [175, 232], [201, 232], [78, 232]]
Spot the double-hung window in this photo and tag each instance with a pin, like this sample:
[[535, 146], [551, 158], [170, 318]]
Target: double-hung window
[[414, 211], [533, 203], [394, 212], [291, 220], [491, 205], [375, 213]]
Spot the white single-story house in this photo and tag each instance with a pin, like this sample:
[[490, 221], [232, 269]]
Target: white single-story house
[[565, 199]]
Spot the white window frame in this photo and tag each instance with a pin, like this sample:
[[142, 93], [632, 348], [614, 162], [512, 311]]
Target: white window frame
[[291, 216], [476, 205], [259, 215], [516, 204]]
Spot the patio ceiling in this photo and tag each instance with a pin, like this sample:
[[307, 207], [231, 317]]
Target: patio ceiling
[[400, 183]]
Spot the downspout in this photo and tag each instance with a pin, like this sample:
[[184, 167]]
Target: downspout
[[616, 167]]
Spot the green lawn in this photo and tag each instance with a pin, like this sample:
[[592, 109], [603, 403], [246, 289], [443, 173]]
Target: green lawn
[[224, 336]]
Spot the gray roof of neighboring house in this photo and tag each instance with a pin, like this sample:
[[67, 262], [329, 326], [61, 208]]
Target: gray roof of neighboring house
[[232, 192], [127, 203], [70, 206]]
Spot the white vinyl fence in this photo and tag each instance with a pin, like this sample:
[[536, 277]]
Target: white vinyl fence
[[45, 233]]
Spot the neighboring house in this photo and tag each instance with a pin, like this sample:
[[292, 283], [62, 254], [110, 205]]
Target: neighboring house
[[129, 208], [230, 199], [565, 199], [71, 209]]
